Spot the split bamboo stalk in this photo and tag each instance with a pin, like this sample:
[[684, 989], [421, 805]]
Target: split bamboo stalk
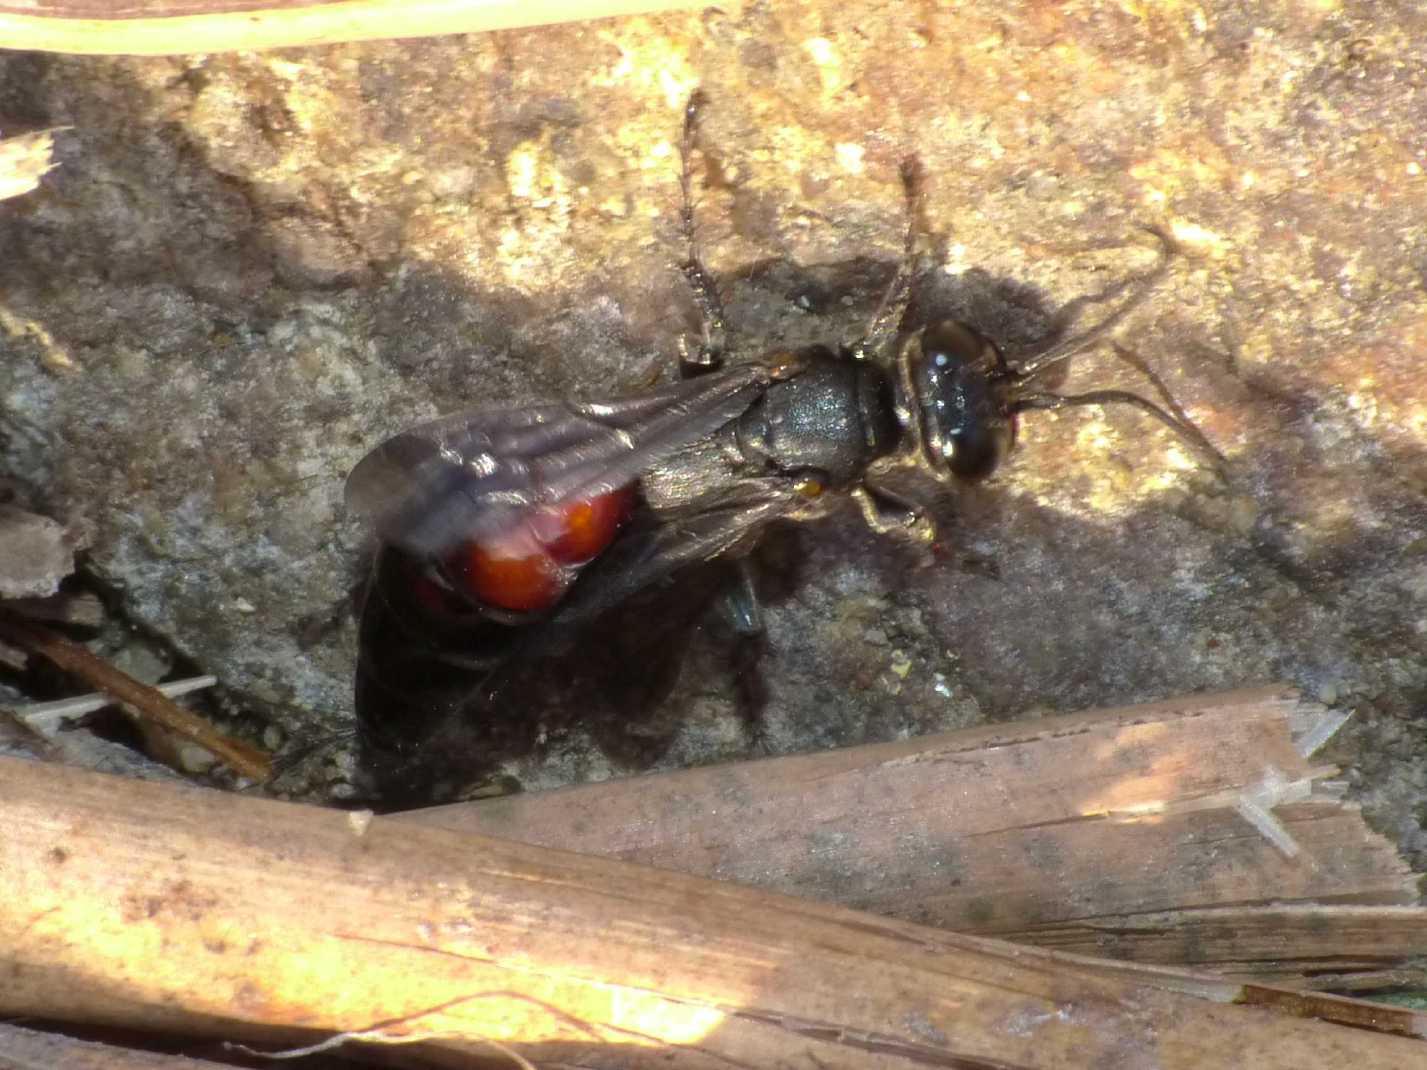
[[1321, 945], [174, 27], [173, 908], [1127, 832]]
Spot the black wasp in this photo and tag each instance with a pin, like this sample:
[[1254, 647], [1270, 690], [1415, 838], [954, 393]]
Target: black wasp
[[506, 531]]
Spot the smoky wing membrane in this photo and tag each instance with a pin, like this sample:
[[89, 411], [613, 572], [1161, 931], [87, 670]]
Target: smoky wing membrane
[[709, 527], [473, 475]]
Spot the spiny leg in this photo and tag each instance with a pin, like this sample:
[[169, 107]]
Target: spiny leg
[[743, 612], [705, 290], [889, 513], [893, 306], [740, 604]]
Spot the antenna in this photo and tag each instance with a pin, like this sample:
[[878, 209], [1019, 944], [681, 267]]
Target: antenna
[[1138, 288]]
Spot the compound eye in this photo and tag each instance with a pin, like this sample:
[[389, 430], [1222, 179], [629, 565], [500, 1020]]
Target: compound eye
[[949, 343], [978, 451], [962, 384]]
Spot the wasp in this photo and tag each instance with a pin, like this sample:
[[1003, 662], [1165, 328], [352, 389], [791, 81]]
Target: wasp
[[509, 532]]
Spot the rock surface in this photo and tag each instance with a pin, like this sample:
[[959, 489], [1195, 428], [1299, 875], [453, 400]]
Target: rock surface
[[35, 554], [251, 268]]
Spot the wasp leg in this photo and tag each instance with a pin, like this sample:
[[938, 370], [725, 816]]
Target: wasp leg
[[888, 513], [706, 298], [744, 615], [740, 602], [887, 320]]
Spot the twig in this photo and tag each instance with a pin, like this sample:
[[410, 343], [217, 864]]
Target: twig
[[148, 701], [46, 716]]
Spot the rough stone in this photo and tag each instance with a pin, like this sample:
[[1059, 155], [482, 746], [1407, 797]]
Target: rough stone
[[35, 554], [261, 264]]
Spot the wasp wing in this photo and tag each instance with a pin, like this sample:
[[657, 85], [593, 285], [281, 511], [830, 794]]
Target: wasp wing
[[441, 707], [650, 552], [476, 473]]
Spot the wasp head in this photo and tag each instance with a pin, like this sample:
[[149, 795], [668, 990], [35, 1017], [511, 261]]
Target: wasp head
[[961, 389], [960, 399]]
